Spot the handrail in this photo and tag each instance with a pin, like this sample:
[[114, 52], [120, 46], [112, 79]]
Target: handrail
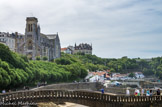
[[74, 94]]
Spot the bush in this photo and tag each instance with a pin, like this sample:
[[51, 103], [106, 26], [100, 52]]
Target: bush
[[38, 58], [45, 58]]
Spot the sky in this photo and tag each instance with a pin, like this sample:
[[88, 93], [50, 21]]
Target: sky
[[115, 28]]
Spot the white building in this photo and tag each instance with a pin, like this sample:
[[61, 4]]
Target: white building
[[99, 76], [66, 50], [139, 75], [8, 40]]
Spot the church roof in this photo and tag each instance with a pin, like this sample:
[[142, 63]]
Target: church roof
[[52, 36], [43, 35], [49, 36], [31, 19]]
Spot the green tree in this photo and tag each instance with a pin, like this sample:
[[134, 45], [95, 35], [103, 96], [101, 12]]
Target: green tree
[[131, 75]]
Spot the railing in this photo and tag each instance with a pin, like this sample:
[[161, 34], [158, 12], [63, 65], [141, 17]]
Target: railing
[[67, 94]]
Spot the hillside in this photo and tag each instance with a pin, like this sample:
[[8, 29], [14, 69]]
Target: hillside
[[16, 70]]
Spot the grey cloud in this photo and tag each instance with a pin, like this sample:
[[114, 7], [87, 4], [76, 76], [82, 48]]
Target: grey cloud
[[115, 28]]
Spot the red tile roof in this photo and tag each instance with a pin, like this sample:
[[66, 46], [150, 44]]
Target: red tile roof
[[108, 70], [63, 49], [98, 73]]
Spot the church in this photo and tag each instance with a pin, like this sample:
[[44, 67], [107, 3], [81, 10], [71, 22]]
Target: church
[[36, 44]]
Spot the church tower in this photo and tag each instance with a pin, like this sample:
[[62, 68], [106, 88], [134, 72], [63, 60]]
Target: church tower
[[31, 37]]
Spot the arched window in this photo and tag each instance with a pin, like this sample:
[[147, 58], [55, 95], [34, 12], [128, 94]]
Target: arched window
[[30, 47], [31, 27], [28, 27]]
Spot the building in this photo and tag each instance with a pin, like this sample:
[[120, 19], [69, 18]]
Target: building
[[139, 75], [99, 76], [71, 48], [19, 39], [83, 48], [66, 50], [8, 40], [34, 43]]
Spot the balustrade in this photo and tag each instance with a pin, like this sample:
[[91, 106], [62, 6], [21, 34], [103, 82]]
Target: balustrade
[[85, 95]]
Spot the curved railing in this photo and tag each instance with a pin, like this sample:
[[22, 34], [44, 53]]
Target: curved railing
[[70, 94]]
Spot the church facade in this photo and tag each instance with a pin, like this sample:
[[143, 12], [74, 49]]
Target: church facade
[[36, 44]]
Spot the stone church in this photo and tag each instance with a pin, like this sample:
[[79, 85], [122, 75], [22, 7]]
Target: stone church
[[34, 43]]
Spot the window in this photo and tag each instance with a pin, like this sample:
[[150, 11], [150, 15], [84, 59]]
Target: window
[[28, 27], [31, 28], [29, 36], [30, 47]]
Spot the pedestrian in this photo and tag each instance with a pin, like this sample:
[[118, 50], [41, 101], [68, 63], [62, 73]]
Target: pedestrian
[[4, 91], [151, 93], [135, 92], [102, 91], [127, 92], [38, 84], [158, 92], [138, 92], [27, 88], [24, 87], [148, 93], [142, 91], [9, 91]]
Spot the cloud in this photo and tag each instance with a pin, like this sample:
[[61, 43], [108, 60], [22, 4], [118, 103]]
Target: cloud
[[115, 28]]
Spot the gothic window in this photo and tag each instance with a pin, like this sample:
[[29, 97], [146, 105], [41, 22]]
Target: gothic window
[[31, 27], [30, 47], [28, 27]]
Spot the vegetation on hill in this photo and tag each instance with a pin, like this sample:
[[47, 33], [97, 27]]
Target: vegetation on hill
[[90, 62], [16, 70], [152, 67], [125, 65]]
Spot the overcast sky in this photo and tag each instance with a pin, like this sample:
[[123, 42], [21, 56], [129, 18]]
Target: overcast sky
[[115, 28]]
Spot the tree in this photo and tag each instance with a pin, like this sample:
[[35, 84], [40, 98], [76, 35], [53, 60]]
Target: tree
[[63, 61], [147, 72], [131, 75]]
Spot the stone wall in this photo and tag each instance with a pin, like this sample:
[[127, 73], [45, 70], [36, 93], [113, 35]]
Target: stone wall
[[74, 86]]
